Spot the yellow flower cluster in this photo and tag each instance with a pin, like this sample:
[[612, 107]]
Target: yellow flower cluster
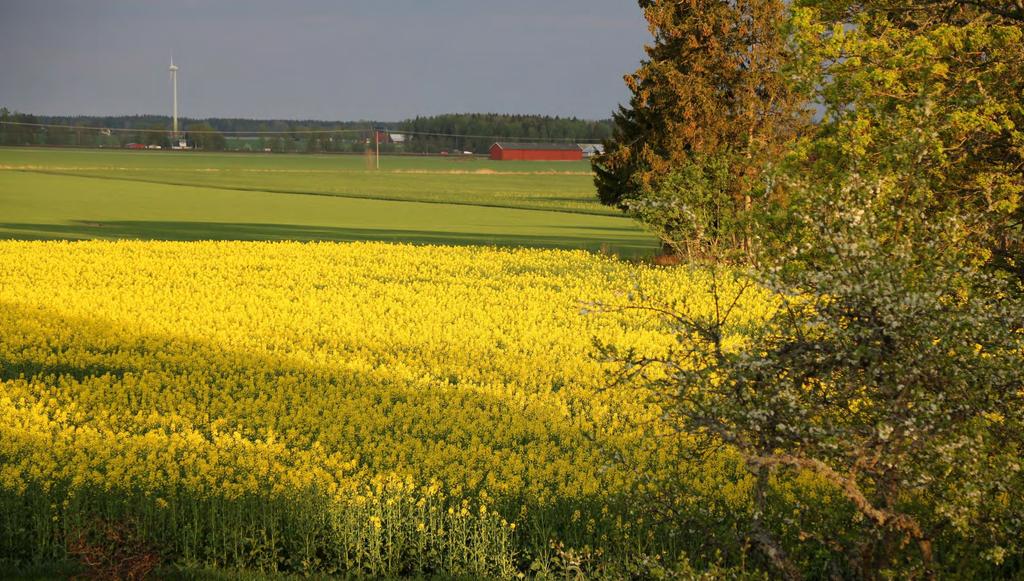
[[233, 368]]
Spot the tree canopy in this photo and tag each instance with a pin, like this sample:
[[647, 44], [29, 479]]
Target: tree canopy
[[893, 368], [714, 92]]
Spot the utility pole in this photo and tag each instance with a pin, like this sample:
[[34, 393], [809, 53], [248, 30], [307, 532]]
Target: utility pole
[[376, 140]]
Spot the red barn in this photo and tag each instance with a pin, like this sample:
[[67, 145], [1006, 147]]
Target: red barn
[[536, 151]]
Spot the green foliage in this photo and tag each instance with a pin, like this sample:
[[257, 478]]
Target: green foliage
[[893, 370], [17, 134], [482, 130], [922, 105], [204, 136], [688, 213]]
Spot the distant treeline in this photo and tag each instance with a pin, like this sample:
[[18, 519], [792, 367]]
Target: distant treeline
[[491, 127], [433, 134]]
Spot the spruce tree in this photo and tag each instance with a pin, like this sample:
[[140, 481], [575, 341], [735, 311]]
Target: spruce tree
[[713, 89]]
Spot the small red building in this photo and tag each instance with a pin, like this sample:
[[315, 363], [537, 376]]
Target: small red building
[[536, 151]]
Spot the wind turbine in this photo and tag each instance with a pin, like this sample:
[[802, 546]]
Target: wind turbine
[[174, 84]]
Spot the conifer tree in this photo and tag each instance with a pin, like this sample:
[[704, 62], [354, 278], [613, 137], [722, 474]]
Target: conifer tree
[[713, 92]]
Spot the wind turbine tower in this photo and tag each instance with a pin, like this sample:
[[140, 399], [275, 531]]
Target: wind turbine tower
[[174, 84]]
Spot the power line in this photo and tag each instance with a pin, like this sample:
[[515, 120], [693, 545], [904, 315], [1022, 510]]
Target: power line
[[471, 136], [299, 132], [126, 130]]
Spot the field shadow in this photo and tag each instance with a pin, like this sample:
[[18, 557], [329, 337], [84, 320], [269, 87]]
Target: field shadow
[[337, 193], [388, 425], [204, 381], [612, 238]]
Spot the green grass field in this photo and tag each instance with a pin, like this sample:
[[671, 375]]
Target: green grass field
[[565, 186], [72, 194]]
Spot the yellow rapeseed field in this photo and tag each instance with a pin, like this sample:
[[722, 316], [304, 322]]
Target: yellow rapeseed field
[[182, 375]]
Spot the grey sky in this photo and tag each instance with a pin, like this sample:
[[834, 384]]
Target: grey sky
[[322, 59]]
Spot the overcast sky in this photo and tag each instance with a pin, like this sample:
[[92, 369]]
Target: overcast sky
[[319, 59]]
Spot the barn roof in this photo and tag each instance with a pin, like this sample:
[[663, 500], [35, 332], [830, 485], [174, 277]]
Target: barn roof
[[538, 146]]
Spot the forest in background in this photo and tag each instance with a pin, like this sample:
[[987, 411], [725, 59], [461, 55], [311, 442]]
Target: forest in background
[[474, 132]]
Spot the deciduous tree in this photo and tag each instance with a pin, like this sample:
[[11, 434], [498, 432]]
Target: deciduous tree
[[924, 102], [894, 366]]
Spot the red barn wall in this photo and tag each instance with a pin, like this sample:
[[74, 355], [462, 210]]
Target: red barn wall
[[536, 154]]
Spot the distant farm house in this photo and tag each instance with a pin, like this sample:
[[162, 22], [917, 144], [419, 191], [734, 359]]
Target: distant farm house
[[536, 151]]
